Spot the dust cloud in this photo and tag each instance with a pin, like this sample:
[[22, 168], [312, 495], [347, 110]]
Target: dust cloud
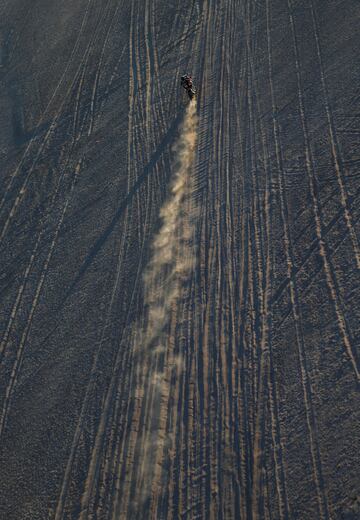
[[172, 255], [172, 260]]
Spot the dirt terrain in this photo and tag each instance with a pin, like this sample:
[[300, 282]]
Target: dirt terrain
[[221, 381]]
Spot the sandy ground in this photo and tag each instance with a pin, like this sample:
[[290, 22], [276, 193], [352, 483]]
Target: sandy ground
[[244, 402]]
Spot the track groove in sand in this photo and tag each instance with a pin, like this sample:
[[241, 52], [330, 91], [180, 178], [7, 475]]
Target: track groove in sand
[[134, 385]]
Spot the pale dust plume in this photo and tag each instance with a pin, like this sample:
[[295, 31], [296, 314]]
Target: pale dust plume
[[172, 257], [172, 261]]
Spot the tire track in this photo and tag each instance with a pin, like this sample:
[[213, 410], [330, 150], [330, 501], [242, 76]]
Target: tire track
[[42, 119], [277, 442], [86, 401], [159, 305], [20, 350], [145, 226], [88, 493], [315, 452], [48, 135], [296, 310], [16, 307], [73, 52], [323, 249], [335, 149]]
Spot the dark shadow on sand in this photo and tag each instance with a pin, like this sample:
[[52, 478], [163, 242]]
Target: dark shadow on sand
[[98, 245]]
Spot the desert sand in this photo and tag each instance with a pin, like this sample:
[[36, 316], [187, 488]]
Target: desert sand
[[179, 283]]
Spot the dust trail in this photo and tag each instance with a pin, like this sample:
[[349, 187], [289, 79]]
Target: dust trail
[[172, 261], [168, 265]]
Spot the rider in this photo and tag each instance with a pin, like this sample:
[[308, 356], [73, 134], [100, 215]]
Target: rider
[[186, 81]]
